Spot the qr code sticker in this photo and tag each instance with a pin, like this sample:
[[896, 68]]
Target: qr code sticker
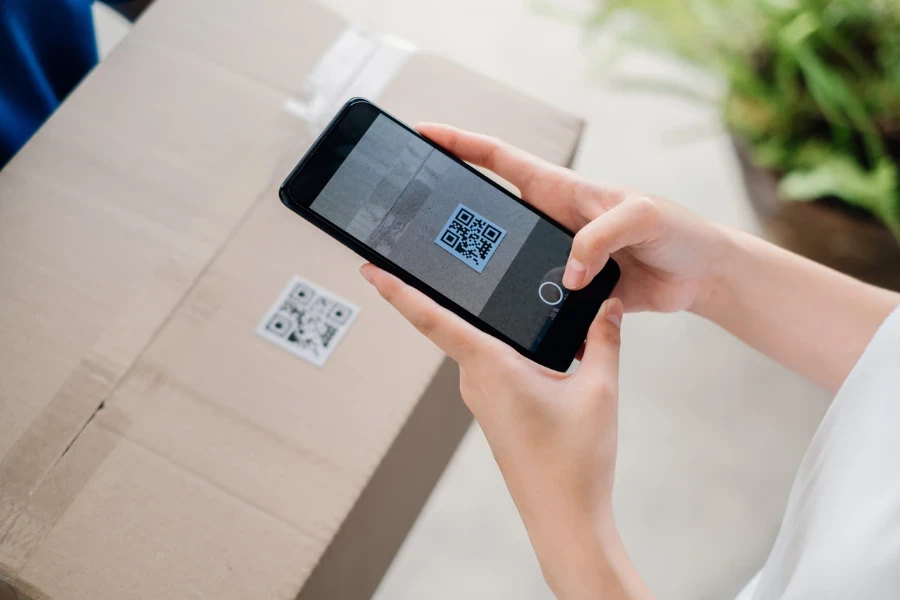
[[308, 320], [470, 237]]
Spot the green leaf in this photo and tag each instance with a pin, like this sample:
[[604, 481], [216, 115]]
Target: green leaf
[[840, 176], [811, 87]]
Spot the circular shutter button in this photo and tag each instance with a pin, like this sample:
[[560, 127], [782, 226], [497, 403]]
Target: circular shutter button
[[550, 293]]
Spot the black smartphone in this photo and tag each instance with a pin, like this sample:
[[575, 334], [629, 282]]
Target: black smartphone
[[416, 211]]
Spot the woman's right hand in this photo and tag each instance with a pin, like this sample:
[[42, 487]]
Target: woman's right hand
[[667, 253], [812, 319]]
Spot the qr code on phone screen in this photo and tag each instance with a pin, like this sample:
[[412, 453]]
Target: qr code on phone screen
[[470, 237], [308, 320]]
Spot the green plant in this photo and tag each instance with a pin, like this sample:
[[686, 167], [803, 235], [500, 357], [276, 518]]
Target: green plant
[[812, 86]]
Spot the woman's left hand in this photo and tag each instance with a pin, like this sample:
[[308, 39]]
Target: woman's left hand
[[553, 436]]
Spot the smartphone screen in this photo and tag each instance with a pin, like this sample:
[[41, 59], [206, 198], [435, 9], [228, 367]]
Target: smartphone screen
[[441, 222]]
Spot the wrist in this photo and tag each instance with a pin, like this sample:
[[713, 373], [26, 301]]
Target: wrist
[[589, 562], [716, 283]]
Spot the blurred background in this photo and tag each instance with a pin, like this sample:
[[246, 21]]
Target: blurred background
[[782, 122]]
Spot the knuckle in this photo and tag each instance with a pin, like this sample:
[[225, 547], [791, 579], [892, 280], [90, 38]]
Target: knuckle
[[493, 358], [466, 352], [388, 291], [425, 323], [645, 208], [609, 336], [580, 244], [527, 181], [453, 138], [423, 319], [492, 155], [587, 243], [604, 390], [584, 201], [515, 367], [510, 363]]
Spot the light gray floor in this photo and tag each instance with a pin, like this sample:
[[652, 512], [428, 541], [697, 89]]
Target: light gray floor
[[711, 432]]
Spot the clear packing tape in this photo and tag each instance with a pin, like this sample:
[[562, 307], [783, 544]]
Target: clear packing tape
[[356, 64]]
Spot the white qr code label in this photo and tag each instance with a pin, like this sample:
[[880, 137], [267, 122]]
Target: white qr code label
[[470, 237], [308, 320]]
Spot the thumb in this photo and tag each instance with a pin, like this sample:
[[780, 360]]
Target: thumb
[[601, 349], [632, 222]]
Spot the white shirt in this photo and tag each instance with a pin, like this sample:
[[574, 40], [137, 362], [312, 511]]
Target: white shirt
[[840, 538]]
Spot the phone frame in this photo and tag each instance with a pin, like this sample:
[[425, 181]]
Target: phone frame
[[564, 337]]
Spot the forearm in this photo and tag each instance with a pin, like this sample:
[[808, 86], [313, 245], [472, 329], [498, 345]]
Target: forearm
[[812, 319]]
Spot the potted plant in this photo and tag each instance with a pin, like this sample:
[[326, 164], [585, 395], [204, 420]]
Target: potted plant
[[812, 101]]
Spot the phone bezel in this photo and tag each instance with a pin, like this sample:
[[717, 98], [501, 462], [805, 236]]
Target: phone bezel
[[561, 342]]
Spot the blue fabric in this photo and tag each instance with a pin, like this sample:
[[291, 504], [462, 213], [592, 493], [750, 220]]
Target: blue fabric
[[46, 48]]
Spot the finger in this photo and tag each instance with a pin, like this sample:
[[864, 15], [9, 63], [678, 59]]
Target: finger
[[460, 340], [520, 168], [633, 222], [601, 349], [545, 186]]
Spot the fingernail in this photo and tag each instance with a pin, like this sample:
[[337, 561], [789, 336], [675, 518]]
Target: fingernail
[[612, 309], [364, 271], [574, 273]]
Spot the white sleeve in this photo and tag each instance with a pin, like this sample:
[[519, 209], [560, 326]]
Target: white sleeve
[[840, 538]]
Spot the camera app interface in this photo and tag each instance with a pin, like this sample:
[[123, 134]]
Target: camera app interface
[[444, 225]]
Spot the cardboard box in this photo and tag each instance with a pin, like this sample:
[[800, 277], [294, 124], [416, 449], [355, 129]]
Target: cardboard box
[[151, 445]]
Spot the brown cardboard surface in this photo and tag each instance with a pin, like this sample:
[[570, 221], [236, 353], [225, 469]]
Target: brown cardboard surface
[[141, 240]]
